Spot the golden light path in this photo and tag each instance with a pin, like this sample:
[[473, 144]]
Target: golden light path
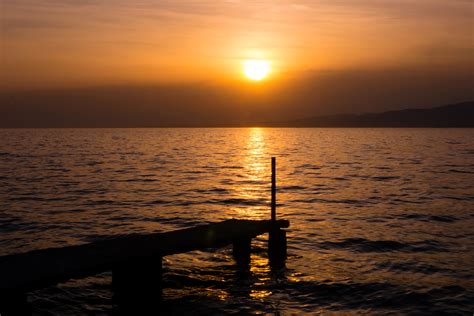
[[256, 69], [257, 172]]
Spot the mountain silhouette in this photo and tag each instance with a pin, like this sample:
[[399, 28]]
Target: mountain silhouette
[[453, 115]]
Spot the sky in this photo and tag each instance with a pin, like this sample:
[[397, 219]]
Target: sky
[[326, 56]]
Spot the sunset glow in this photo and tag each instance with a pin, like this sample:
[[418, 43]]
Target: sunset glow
[[256, 69], [213, 62], [159, 149]]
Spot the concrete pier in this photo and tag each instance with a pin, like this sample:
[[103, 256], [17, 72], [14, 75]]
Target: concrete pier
[[135, 260]]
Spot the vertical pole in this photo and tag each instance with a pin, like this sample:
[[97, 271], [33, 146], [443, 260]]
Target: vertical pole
[[273, 206], [276, 236]]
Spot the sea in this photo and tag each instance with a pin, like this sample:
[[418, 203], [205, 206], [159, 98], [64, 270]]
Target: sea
[[381, 220]]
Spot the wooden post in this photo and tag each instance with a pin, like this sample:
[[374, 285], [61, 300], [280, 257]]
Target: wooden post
[[276, 236], [241, 252], [273, 205], [137, 283]]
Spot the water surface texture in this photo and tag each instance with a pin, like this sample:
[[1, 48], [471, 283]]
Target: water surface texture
[[382, 220]]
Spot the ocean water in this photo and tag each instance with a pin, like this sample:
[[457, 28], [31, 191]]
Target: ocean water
[[382, 220]]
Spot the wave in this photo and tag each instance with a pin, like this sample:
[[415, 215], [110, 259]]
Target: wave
[[412, 266], [373, 297], [428, 218], [366, 245]]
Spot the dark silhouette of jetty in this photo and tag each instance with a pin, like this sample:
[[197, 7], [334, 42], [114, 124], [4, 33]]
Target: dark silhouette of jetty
[[135, 260]]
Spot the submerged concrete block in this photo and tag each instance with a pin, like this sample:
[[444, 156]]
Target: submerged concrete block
[[277, 248]]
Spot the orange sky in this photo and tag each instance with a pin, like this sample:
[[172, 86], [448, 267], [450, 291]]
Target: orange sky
[[56, 43]]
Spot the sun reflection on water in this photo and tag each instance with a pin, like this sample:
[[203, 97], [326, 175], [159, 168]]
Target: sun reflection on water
[[253, 188], [256, 150], [260, 294]]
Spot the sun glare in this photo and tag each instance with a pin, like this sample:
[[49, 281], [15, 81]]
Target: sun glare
[[256, 69]]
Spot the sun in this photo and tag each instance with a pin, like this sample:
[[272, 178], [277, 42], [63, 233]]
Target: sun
[[256, 69]]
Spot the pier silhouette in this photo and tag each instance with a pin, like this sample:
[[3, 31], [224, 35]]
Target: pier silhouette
[[135, 260]]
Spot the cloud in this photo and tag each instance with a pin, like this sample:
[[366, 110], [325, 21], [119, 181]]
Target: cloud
[[76, 42]]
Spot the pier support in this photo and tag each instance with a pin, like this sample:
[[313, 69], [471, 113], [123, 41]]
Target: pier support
[[14, 303], [277, 248], [241, 252], [135, 261], [138, 283]]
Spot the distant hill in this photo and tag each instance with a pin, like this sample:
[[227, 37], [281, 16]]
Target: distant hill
[[453, 115]]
